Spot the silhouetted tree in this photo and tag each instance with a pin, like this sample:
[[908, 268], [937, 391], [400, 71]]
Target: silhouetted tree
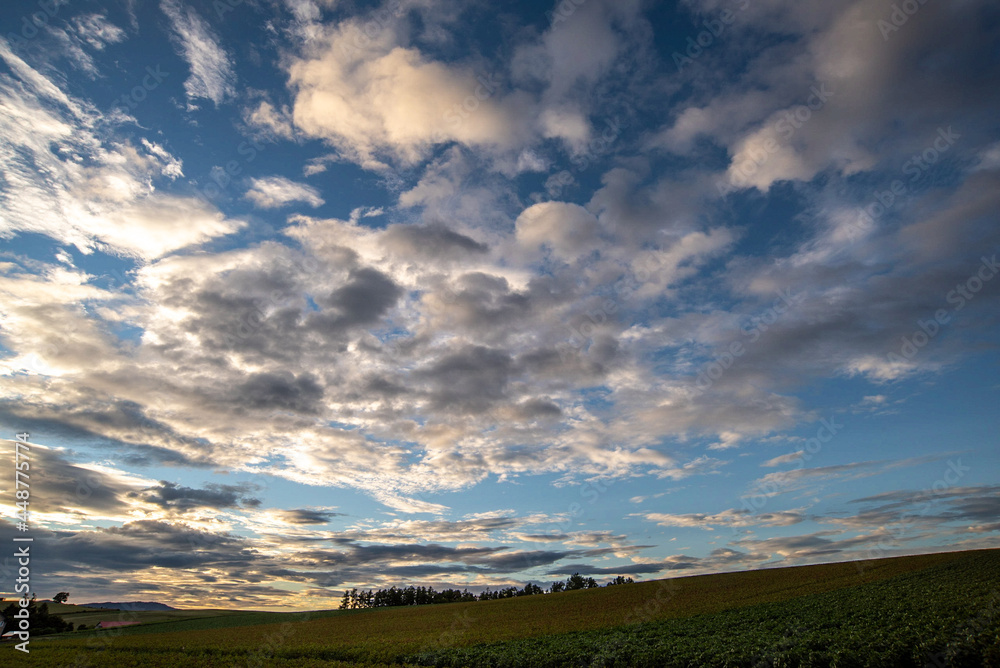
[[41, 621], [530, 590], [398, 596], [577, 581]]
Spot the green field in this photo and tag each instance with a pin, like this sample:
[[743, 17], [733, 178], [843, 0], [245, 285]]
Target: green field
[[935, 610]]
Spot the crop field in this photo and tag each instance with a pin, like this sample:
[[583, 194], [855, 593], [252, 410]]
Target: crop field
[[936, 610]]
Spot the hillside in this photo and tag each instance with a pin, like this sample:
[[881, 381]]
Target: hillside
[[781, 610], [89, 616], [135, 606]]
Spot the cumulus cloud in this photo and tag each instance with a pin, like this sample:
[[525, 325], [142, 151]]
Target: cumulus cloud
[[847, 89], [273, 192], [568, 230], [458, 330], [179, 498], [392, 100], [380, 99]]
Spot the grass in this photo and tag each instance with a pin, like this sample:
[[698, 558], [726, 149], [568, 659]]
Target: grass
[[946, 615], [701, 620]]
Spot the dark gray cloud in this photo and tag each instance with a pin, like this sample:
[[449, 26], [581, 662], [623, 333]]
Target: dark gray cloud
[[816, 546], [470, 380], [974, 509], [141, 545], [174, 497], [60, 485], [64, 486], [366, 297], [481, 302], [307, 516], [436, 242], [532, 409], [254, 309], [280, 391], [114, 424], [630, 569], [432, 530]]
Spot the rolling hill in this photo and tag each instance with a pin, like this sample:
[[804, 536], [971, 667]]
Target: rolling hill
[[887, 612]]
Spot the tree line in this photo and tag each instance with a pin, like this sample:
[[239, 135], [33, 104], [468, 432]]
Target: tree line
[[42, 622], [399, 596]]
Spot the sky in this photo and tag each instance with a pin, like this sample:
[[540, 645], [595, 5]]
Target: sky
[[301, 295]]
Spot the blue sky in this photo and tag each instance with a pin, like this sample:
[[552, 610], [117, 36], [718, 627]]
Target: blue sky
[[300, 295]]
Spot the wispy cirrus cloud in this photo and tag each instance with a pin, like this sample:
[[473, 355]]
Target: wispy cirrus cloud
[[211, 68], [114, 203], [783, 482], [727, 518]]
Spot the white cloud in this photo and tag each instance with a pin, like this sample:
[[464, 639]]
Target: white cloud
[[276, 122], [272, 192], [781, 460], [989, 157], [392, 101], [67, 176], [97, 31], [727, 518], [568, 230], [212, 75], [380, 99]]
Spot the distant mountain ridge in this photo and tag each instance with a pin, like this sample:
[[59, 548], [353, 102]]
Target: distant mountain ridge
[[131, 606]]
